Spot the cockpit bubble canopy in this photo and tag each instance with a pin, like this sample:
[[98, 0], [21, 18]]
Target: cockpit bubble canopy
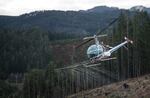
[[94, 50]]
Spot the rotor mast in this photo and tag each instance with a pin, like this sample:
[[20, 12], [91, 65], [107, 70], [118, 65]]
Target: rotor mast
[[96, 40]]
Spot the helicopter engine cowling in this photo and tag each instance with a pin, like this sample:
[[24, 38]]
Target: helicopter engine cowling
[[94, 51]]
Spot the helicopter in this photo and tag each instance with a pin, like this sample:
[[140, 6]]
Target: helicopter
[[99, 51]]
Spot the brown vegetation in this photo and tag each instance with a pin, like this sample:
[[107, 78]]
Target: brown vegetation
[[131, 88]]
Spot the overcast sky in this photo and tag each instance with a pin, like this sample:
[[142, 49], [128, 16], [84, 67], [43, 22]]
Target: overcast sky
[[17, 7]]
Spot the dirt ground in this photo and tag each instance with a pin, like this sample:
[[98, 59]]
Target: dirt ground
[[131, 88]]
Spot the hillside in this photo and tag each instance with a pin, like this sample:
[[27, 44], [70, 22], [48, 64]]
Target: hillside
[[140, 8], [131, 88], [72, 22]]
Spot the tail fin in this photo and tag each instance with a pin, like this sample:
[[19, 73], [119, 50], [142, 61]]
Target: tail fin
[[128, 40]]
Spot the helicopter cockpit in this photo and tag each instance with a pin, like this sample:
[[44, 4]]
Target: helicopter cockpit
[[94, 50]]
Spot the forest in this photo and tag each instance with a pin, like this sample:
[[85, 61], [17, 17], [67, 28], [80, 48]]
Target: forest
[[27, 66]]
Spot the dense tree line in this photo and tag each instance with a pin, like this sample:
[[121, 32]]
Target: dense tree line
[[41, 83], [134, 61], [21, 51], [71, 22]]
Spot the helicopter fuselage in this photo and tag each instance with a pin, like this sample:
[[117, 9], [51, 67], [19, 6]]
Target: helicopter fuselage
[[98, 51]]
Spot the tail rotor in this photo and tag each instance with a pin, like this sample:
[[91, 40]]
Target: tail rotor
[[128, 40]]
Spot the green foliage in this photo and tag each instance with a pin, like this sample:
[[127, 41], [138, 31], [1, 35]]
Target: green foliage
[[6, 89], [34, 84], [61, 24], [40, 83], [23, 50], [135, 61]]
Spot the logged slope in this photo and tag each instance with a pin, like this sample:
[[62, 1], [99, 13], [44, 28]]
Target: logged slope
[[131, 88]]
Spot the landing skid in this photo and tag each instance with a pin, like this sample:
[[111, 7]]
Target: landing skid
[[91, 63], [107, 59], [97, 60]]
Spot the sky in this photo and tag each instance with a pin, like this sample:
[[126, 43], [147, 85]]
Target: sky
[[18, 7]]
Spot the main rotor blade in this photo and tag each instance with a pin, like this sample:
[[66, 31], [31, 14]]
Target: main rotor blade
[[107, 26], [92, 37], [84, 43], [97, 33], [104, 35]]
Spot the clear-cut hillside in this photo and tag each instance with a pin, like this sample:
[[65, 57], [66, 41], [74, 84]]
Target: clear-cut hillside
[[131, 88]]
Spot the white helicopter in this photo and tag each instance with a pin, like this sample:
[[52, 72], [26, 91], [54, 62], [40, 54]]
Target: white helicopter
[[99, 51]]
